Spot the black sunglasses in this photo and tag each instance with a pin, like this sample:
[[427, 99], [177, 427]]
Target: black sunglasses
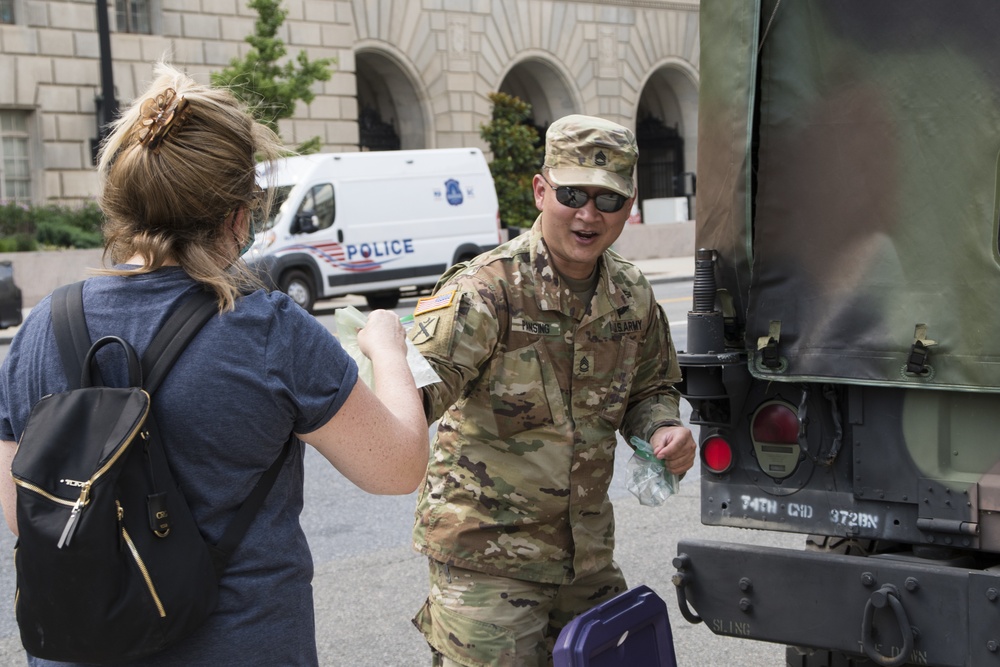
[[609, 202]]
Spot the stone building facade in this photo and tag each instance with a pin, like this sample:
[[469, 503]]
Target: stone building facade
[[408, 74]]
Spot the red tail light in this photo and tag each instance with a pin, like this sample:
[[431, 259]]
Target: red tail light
[[776, 423], [775, 434], [717, 454]]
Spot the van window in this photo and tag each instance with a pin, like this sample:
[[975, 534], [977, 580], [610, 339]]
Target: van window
[[320, 205], [277, 206]]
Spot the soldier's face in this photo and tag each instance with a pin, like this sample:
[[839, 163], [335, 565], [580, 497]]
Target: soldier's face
[[576, 237]]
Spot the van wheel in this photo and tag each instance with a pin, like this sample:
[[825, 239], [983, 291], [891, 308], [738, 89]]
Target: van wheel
[[383, 300], [298, 286]]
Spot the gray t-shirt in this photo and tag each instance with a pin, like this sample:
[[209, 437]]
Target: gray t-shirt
[[249, 379]]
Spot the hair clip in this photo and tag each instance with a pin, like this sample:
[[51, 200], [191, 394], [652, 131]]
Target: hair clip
[[158, 115]]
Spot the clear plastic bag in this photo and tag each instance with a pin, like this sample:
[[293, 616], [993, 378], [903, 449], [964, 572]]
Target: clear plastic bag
[[647, 477], [349, 321]]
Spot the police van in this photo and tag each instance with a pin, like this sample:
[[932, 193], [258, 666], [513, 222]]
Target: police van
[[378, 224]]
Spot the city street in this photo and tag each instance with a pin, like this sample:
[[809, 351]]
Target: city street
[[369, 582]]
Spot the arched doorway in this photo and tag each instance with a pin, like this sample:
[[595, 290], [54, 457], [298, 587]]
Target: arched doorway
[[390, 114], [539, 83], [667, 135], [661, 159]]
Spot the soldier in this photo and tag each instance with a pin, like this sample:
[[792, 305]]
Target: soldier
[[546, 346]]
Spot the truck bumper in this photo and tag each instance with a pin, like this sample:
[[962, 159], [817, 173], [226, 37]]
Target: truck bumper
[[935, 612]]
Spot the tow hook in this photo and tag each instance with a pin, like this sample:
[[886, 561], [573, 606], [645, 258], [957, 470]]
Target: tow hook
[[886, 595], [681, 579]]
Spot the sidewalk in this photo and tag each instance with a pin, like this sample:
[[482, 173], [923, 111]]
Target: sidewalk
[[666, 269]]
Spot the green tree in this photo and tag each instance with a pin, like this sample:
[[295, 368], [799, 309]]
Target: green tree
[[517, 157], [270, 87]]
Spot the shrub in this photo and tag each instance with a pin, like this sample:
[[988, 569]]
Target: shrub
[[18, 243], [517, 157], [25, 228], [15, 219]]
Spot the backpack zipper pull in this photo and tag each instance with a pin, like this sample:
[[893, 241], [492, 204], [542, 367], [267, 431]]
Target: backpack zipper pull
[[74, 517], [67, 534], [121, 526]]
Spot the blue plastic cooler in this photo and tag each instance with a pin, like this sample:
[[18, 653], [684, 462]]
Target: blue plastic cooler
[[631, 629]]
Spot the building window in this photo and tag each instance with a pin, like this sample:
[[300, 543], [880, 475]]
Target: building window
[[15, 166], [133, 16], [6, 11]]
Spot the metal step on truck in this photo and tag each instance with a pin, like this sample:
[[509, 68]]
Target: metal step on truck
[[844, 339]]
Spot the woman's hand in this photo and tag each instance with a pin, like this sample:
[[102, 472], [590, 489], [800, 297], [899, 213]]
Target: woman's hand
[[378, 439], [382, 333]]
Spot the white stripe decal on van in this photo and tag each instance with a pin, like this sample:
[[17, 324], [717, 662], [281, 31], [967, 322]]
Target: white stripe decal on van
[[334, 254]]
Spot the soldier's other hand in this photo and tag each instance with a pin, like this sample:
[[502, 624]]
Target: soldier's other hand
[[675, 446]]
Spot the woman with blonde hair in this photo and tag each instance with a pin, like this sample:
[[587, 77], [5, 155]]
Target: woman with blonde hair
[[179, 191]]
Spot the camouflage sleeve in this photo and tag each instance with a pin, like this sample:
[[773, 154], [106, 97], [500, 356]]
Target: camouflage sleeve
[[457, 338], [654, 401]]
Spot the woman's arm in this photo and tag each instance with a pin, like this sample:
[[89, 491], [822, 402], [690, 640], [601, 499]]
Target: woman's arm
[[8, 494], [379, 439]]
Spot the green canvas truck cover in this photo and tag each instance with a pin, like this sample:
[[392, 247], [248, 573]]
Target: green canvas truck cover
[[886, 251]]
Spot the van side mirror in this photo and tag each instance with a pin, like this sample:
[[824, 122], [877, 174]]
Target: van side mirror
[[304, 223]]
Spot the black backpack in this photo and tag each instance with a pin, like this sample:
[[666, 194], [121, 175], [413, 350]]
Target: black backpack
[[110, 564]]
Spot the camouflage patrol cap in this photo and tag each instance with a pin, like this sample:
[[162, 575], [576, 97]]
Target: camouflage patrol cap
[[586, 150]]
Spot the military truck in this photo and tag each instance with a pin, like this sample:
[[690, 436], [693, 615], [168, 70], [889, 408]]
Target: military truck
[[843, 358]]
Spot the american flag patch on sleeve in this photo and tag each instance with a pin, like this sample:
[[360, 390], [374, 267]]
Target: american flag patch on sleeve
[[436, 302]]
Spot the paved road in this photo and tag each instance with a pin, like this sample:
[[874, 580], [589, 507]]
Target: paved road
[[369, 582]]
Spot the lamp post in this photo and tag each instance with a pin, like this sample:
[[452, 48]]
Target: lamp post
[[107, 105]]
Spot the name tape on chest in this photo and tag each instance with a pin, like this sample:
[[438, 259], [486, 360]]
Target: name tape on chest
[[521, 325]]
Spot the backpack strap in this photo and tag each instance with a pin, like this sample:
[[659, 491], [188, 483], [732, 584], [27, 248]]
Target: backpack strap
[[174, 337], [69, 325], [167, 346], [160, 356], [70, 328], [73, 340], [231, 539]]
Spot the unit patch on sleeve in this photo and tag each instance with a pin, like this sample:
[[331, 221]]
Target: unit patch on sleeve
[[436, 302], [423, 330], [434, 334]]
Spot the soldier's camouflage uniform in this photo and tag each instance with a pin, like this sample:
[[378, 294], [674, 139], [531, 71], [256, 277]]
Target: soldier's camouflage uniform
[[534, 386]]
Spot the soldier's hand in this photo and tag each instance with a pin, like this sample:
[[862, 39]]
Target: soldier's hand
[[675, 446]]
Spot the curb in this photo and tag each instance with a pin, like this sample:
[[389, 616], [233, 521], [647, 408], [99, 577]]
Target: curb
[[653, 280]]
